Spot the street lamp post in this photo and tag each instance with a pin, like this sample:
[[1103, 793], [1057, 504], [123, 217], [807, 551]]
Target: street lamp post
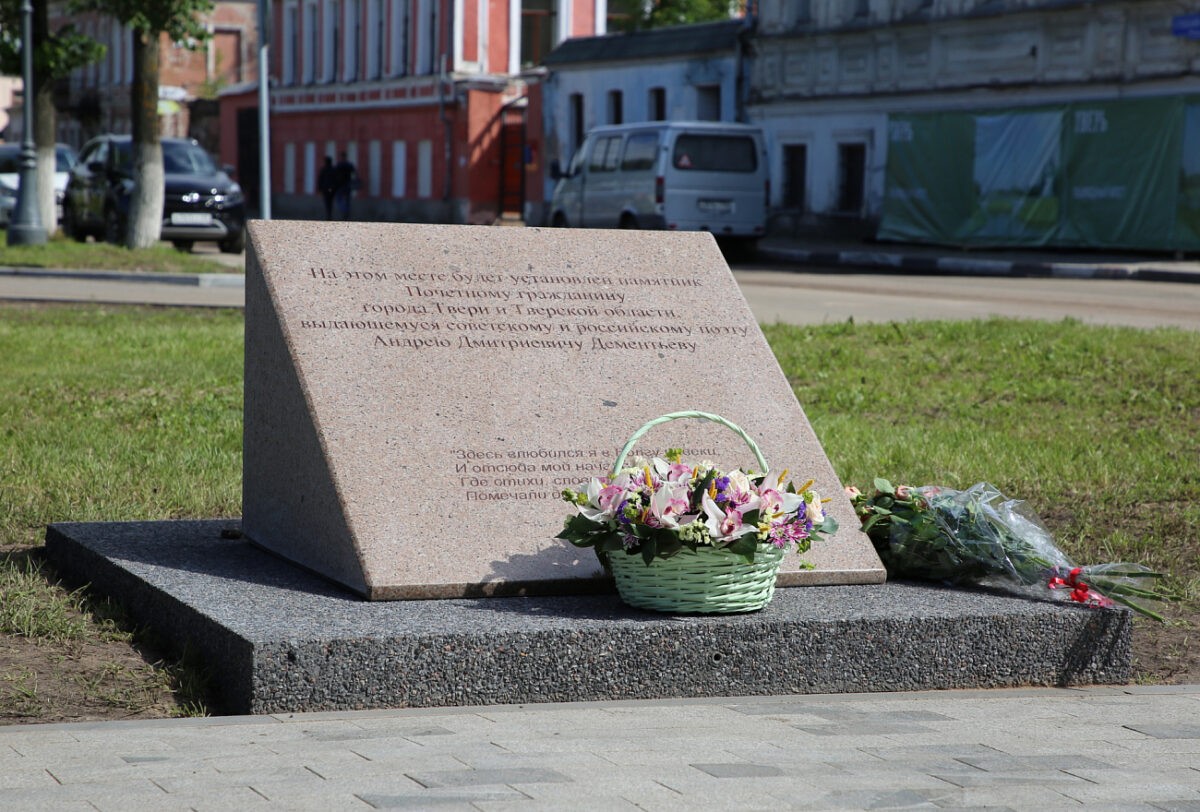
[[264, 110], [25, 228]]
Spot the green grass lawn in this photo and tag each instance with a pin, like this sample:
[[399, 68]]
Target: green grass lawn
[[62, 253], [125, 413], [1098, 428]]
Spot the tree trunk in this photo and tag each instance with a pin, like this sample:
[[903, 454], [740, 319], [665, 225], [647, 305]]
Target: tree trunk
[[44, 126], [146, 206]]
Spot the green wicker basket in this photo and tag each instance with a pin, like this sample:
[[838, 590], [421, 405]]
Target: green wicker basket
[[708, 580]]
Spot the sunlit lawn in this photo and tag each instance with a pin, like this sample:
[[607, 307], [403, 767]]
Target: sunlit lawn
[[127, 413]]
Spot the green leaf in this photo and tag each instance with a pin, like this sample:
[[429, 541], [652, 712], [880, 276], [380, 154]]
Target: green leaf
[[746, 546], [883, 486], [649, 550], [668, 544], [699, 492], [610, 543]]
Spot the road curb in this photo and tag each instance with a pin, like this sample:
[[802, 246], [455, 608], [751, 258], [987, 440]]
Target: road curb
[[893, 262], [207, 280]]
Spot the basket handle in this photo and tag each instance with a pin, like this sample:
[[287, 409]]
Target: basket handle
[[716, 418]]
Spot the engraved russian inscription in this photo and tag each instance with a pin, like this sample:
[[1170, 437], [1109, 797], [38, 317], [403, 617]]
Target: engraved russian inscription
[[557, 312]]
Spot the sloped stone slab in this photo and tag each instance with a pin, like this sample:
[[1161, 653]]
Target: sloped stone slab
[[417, 397], [279, 639]]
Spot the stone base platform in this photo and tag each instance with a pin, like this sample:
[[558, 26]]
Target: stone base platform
[[279, 639]]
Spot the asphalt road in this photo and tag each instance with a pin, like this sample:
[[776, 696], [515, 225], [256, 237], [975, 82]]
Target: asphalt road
[[822, 296], [810, 296]]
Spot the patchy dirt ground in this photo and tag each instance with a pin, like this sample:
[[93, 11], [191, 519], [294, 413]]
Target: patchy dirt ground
[[79, 681], [1168, 653]]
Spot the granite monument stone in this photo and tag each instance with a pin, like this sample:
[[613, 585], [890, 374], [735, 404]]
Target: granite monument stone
[[417, 396]]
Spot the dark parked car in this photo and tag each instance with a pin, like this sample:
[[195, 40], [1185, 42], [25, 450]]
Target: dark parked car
[[202, 202]]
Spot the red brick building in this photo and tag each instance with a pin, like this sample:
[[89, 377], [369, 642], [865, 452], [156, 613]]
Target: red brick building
[[434, 101]]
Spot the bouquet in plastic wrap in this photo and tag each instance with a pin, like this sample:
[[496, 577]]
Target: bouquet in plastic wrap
[[979, 536]]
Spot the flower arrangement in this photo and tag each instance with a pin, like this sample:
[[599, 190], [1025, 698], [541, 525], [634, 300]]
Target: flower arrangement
[[684, 538], [977, 536], [659, 507]]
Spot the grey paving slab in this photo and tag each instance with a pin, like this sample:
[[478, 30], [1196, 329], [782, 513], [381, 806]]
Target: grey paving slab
[[1167, 731], [766, 763], [734, 769], [601, 804], [473, 778]]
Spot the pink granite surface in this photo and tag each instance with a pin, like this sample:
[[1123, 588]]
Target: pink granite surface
[[418, 396]]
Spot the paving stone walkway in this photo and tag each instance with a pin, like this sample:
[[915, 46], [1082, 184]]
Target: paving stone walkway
[[1127, 748]]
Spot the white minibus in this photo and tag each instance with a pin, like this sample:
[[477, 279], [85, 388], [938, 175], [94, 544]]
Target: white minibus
[[675, 175]]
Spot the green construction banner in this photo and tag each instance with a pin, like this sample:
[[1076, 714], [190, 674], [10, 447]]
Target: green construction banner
[[1188, 204], [925, 193], [1097, 175]]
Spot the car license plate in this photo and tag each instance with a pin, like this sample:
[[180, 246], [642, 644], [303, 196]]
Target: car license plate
[[191, 218], [716, 206]]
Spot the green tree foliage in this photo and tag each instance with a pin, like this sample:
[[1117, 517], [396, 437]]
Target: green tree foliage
[[55, 54], [183, 22], [634, 15]]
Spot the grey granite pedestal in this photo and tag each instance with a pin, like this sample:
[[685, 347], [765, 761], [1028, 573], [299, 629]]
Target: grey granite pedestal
[[279, 639]]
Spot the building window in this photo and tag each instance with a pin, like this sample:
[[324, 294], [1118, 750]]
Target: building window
[[106, 63], [539, 20], [862, 9], [615, 105], [374, 162], [708, 102], [425, 169], [291, 44], [353, 23], [852, 174], [310, 168], [657, 104], [425, 29], [115, 41], [399, 40], [310, 43], [399, 169], [374, 38], [333, 41], [795, 175], [289, 168], [575, 104]]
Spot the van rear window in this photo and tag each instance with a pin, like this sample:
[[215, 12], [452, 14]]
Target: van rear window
[[715, 153]]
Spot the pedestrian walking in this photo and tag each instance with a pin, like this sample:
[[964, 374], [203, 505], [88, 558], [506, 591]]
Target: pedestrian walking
[[347, 182], [327, 184]]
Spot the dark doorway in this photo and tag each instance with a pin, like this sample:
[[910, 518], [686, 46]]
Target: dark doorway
[[247, 157], [795, 175], [852, 173], [658, 104], [512, 161]]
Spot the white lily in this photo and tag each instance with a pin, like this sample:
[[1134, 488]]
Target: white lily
[[777, 503], [727, 526], [668, 506]]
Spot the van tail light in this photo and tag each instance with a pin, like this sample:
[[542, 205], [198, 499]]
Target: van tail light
[[659, 185], [767, 191]]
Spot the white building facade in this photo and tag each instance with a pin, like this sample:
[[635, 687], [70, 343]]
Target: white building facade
[[829, 75], [694, 72]]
